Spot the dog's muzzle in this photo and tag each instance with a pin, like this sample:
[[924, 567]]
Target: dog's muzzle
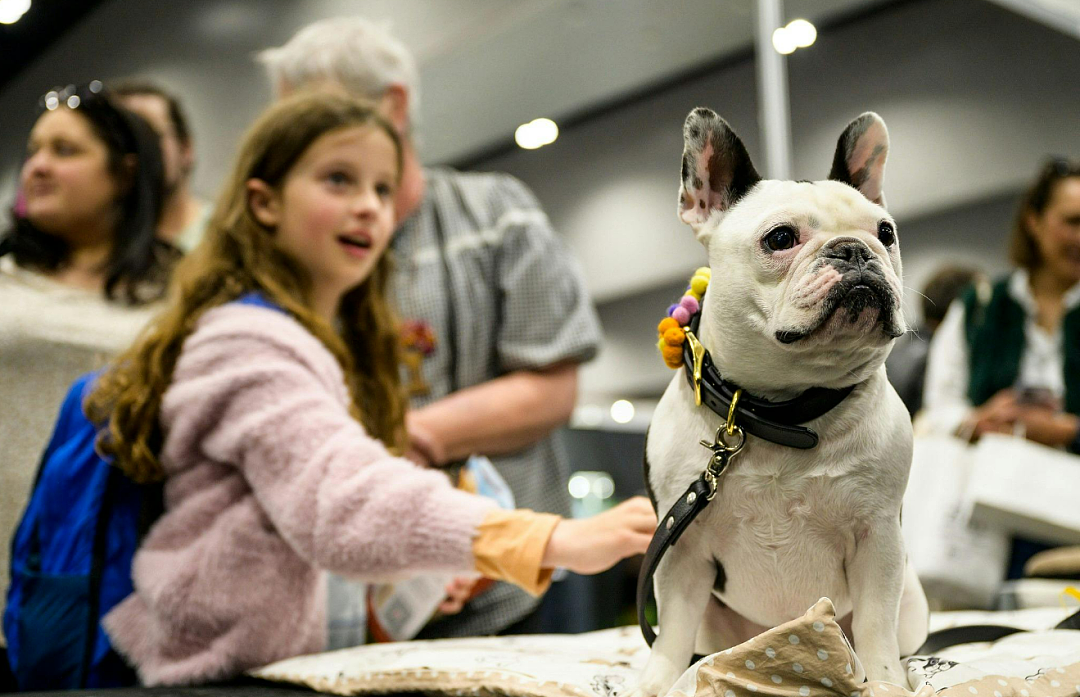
[[862, 286]]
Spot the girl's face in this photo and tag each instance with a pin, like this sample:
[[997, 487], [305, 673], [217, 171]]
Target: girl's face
[[1057, 231], [334, 211], [69, 189]]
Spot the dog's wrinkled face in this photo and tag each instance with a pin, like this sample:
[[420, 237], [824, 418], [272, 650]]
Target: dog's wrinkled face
[[806, 268]]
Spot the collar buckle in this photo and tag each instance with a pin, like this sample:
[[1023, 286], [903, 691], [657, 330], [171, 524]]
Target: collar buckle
[[698, 352]]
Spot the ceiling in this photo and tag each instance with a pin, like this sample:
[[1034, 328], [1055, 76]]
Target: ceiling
[[486, 65]]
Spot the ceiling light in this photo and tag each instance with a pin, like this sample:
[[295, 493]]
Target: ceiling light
[[579, 486], [622, 412], [801, 32], [536, 133], [12, 10], [783, 41]]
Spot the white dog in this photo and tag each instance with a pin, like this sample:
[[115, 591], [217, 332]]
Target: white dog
[[805, 293]]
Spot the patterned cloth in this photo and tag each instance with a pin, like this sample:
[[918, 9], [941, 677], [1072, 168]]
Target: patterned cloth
[[517, 302], [808, 657]]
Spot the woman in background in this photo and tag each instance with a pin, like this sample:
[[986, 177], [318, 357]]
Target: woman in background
[[1007, 356], [80, 271]]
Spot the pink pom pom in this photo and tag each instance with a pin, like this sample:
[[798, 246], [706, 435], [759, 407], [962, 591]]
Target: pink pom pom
[[690, 303], [680, 315]]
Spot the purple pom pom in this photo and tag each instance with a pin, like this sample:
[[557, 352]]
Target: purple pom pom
[[680, 315], [690, 303], [672, 309]]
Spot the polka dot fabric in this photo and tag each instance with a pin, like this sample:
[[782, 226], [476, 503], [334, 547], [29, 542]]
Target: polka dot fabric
[[811, 657]]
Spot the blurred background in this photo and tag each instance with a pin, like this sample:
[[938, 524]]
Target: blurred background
[[976, 93]]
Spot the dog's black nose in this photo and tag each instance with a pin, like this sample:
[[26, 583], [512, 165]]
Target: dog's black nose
[[849, 250]]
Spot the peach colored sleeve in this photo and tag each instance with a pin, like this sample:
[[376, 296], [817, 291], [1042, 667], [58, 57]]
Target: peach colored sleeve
[[510, 545]]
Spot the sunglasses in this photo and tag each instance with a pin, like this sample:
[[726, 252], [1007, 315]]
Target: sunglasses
[[1063, 167], [70, 96]]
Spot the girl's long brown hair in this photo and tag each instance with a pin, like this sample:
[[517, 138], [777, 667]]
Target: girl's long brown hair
[[239, 255]]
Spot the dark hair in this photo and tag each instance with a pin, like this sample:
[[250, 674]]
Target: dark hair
[[139, 264], [136, 88], [1023, 250], [944, 286]]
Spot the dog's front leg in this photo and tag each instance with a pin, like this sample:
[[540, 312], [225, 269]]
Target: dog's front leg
[[876, 578], [682, 584]]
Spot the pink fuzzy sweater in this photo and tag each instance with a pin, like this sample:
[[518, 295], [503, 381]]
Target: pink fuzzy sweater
[[270, 480]]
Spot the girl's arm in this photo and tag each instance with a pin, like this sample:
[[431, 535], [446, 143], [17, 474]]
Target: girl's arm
[[254, 389]]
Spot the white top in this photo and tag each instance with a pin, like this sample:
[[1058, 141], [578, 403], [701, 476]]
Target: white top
[[50, 334], [1042, 365]]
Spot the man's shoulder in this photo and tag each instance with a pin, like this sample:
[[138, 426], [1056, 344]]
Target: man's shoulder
[[487, 195]]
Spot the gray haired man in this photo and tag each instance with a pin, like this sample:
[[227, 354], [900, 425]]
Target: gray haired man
[[479, 269]]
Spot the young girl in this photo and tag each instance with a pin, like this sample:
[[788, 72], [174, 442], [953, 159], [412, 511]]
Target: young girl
[[264, 395]]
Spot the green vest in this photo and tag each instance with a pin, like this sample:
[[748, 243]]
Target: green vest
[[995, 337]]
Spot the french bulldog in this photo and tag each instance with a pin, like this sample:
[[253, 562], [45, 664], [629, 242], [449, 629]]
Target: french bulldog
[[805, 292]]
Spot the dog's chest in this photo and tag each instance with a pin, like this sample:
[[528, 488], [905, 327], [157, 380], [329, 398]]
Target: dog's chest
[[782, 541]]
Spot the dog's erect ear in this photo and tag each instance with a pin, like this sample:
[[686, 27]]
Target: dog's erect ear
[[716, 171], [860, 156]]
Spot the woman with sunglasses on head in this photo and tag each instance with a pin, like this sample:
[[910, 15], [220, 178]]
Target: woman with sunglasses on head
[[80, 270], [1007, 356]]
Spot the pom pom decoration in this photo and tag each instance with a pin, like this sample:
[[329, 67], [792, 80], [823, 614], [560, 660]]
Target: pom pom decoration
[[671, 332], [674, 337], [672, 356]]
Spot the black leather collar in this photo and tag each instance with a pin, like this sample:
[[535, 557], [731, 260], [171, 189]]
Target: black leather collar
[[776, 422]]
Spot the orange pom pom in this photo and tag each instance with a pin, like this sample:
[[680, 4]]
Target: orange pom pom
[[674, 337], [666, 324], [672, 356]]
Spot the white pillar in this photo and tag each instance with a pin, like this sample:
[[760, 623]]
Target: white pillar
[[774, 117]]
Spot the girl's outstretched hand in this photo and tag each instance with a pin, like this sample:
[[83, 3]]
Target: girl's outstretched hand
[[592, 545]]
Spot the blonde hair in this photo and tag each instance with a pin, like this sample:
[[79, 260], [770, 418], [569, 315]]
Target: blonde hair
[[239, 255], [356, 53]]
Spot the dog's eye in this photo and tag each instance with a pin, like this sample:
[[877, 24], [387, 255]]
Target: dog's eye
[[886, 233], [780, 238]]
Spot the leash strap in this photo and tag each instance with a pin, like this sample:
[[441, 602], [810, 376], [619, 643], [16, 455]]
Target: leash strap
[[687, 507], [953, 636], [692, 502]]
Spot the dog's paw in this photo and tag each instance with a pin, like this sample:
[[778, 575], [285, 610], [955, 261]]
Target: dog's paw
[[887, 671], [657, 678]]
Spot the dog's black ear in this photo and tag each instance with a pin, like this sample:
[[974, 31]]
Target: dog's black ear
[[716, 171], [860, 156]]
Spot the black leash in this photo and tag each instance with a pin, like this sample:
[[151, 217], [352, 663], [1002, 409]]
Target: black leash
[[692, 502], [953, 636]]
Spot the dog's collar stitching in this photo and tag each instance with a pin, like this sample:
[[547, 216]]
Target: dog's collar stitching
[[776, 422]]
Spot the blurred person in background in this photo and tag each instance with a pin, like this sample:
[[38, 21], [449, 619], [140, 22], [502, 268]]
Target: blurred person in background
[[906, 365], [481, 270], [183, 216], [80, 271], [1009, 359]]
